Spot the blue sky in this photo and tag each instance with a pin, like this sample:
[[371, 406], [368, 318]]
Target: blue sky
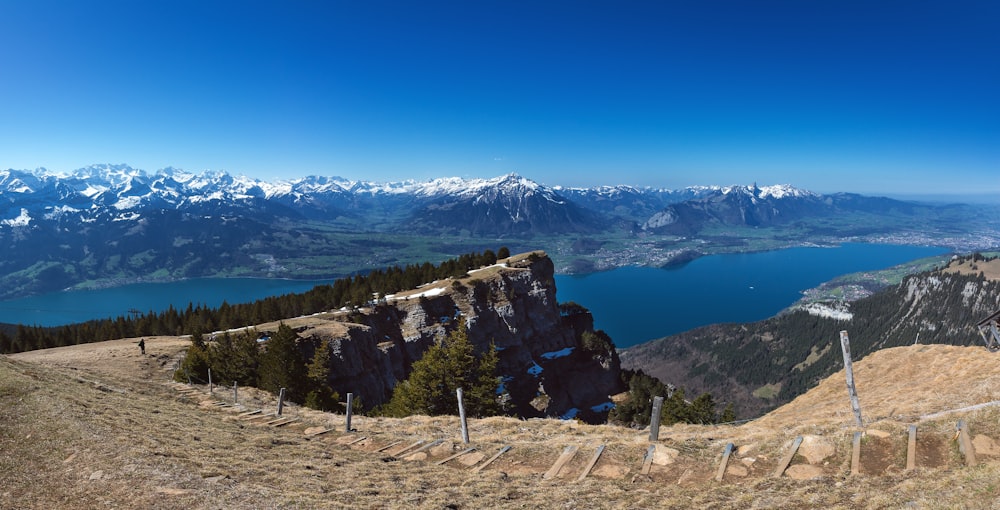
[[865, 96]]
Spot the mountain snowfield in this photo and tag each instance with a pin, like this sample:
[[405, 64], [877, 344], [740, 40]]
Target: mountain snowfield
[[119, 187]]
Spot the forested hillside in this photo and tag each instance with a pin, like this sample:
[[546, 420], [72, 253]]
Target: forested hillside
[[759, 366]]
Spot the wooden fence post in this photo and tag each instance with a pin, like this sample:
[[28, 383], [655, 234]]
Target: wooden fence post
[[236, 399], [647, 460], [654, 419], [211, 389], [461, 416], [845, 344], [965, 443], [350, 409], [787, 459], [567, 454], [721, 473], [856, 454], [281, 401], [491, 459], [911, 449], [590, 465]]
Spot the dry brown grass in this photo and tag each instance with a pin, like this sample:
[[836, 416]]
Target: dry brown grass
[[990, 269], [100, 426]]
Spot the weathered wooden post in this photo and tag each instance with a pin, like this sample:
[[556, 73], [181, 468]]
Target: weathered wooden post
[[965, 446], [721, 473], [590, 465], [845, 344], [350, 409], [911, 449], [236, 399], [654, 419], [281, 401], [856, 454], [565, 457], [787, 459], [647, 460], [461, 416], [211, 389]]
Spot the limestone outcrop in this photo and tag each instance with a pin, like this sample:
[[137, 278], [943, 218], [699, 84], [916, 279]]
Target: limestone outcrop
[[545, 367]]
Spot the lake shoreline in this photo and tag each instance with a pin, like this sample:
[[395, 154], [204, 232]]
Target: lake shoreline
[[81, 305]]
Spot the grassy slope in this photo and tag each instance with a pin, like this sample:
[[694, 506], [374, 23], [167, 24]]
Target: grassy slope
[[97, 425]]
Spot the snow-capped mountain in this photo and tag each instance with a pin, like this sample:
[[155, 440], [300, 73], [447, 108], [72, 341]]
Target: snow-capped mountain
[[738, 206], [510, 205], [115, 222]]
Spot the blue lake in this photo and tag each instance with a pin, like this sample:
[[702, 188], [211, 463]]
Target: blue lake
[[58, 308], [637, 304], [632, 304]]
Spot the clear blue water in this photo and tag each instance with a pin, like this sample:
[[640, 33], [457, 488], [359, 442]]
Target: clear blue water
[[631, 304], [637, 304], [69, 307]]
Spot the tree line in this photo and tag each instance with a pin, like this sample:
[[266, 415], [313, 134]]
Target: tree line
[[356, 290], [238, 358], [636, 410], [278, 362]]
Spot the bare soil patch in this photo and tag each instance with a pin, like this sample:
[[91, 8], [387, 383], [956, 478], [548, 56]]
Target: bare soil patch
[[881, 456], [933, 452]]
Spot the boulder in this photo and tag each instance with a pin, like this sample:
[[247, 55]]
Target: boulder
[[664, 455], [471, 459], [804, 472], [737, 470], [610, 471], [816, 449], [444, 449], [985, 445]]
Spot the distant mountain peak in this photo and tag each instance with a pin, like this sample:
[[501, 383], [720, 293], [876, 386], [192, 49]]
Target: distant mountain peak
[[776, 191]]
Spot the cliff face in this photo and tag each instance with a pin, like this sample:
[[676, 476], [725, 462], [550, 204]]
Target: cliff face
[[512, 306]]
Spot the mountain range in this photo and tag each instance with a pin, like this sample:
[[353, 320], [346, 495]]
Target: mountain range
[[112, 224]]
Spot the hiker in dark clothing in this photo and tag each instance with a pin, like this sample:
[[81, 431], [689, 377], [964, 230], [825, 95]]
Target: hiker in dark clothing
[[142, 346]]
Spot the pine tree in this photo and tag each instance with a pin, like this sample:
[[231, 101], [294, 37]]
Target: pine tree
[[636, 409], [319, 395], [196, 361], [282, 366], [675, 409], [728, 414], [702, 410], [450, 364]]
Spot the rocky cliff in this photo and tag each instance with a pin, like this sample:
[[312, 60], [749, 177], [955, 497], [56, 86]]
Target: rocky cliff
[[546, 368]]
